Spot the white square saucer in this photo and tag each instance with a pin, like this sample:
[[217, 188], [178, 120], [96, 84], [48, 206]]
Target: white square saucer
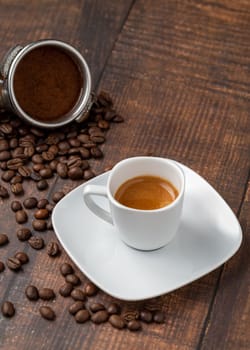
[[208, 236]]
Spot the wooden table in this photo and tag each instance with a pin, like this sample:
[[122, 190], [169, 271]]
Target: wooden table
[[178, 72]]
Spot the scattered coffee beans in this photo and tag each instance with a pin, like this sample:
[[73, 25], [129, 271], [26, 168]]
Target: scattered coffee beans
[[73, 279], [78, 294], [31, 293], [90, 289], [2, 267], [30, 203], [53, 249], [23, 234], [16, 205], [100, 317], [114, 308], [22, 257], [21, 216], [47, 313], [8, 309], [134, 325], [75, 307], [39, 225], [46, 294], [66, 269], [3, 239], [94, 307], [116, 321], [13, 263], [158, 317], [36, 242], [146, 316], [66, 289], [82, 316]]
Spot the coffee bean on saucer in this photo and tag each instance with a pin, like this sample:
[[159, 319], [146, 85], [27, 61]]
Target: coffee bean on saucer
[[31, 293], [53, 249], [36, 242], [46, 294], [22, 257], [158, 317], [134, 325], [3, 239], [2, 267], [76, 306], [116, 321], [78, 294], [82, 316], [114, 308], [39, 225], [90, 289], [30, 203], [47, 313], [8, 309], [66, 289], [100, 317], [21, 216], [16, 205], [23, 234], [94, 307], [72, 278], [66, 269], [13, 263]]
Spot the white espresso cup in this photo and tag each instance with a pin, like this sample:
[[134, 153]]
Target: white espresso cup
[[140, 229]]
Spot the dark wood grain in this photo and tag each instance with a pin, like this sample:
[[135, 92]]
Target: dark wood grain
[[179, 73]]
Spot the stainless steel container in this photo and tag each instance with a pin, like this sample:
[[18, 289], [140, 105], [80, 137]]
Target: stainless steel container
[[8, 99]]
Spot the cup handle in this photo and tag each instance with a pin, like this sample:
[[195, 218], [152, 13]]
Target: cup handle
[[90, 190]]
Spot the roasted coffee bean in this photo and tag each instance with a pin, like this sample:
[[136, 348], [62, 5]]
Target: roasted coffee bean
[[22, 257], [103, 124], [46, 173], [39, 225], [4, 145], [158, 317], [83, 138], [48, 156], [46, 294], [72, 278], [66, 289], [47, 313], [74, 142], [6, 128], [37, 167], [116, 321], [14, 163], [15, 206], [57, 196], [8, 175], [4, 239], [30, 203], [85, 153], [96, 152], [41, 214], [82, 316], [36, 242], [24, 171], [53, 149], [3, 192], [62, 170], [76, 306], [21, 216], [13, 142], [90, 289], [41, 204], [17, 188], [134, 325], [130, 315], [37, 158], [42, 185], [94, 307], [8, 309], [29, 151], [31, 293], [97, 138], [35, 176], [16, 179], [13, 263], [63, 147], [100, 317], [53, 249], [18, 153], [78, 294], [146, 316], [75, 173], [2, 267], [42, 147], [114, 308], [23, 234], [5, 155], [66, 269], [3, 165]]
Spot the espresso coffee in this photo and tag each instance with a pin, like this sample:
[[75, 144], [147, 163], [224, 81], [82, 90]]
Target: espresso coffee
[[146, 193]]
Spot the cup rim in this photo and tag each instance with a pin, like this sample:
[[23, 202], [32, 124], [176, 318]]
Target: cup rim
[[150, 211], [83, 98]]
